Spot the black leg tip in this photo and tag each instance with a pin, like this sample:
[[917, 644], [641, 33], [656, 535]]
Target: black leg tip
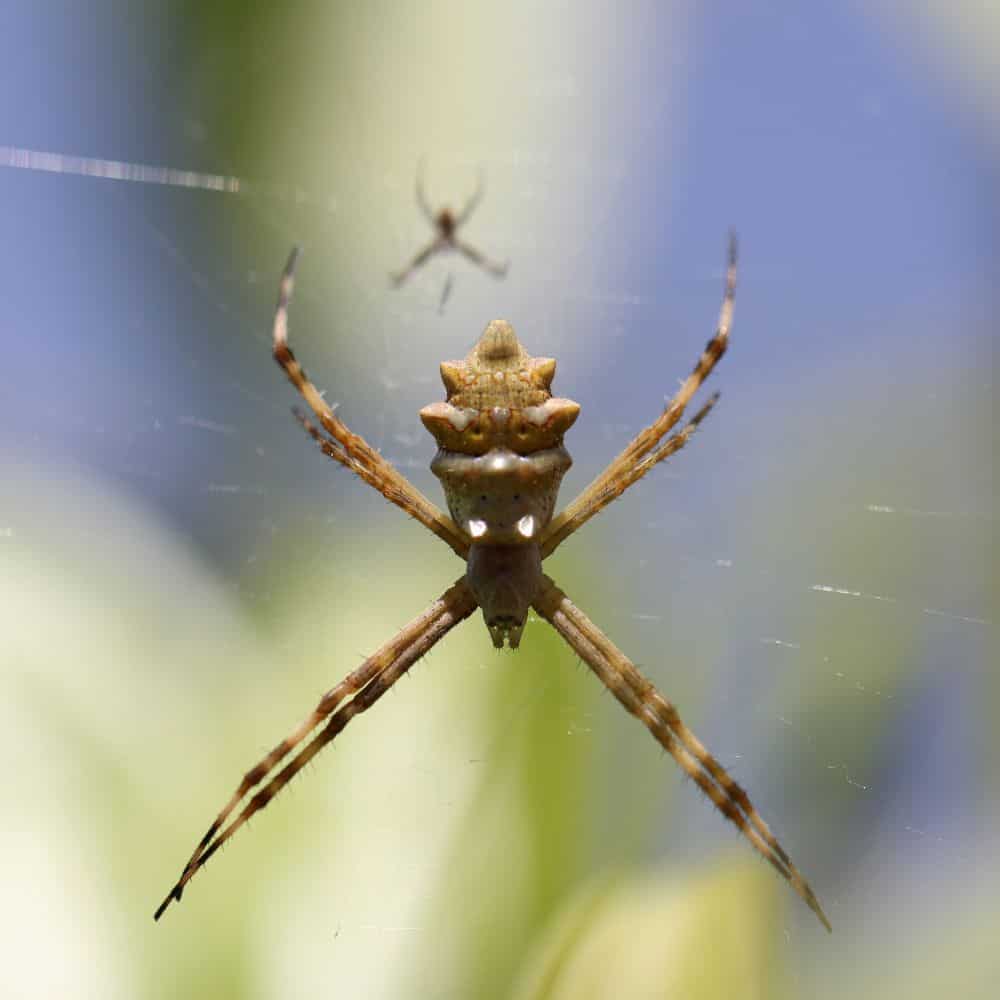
[[161, 909]]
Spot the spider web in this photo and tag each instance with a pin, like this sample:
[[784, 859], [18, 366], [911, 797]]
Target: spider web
[[809, 581]]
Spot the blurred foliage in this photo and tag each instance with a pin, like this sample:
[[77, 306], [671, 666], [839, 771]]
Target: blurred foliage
[[707, 936]]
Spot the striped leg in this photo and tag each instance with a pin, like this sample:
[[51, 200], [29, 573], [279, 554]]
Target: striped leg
[[574, 517], [605, 487], [638, 696], [366, 684], [445, 529], [351, 449]]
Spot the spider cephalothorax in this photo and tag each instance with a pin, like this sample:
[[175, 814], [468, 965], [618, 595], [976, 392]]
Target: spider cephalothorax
[[500, 460]]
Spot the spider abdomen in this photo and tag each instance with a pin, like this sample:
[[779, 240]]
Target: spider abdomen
[[501, 498]]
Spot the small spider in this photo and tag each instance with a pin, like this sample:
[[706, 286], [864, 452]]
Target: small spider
[[447, 224], [500, 460]]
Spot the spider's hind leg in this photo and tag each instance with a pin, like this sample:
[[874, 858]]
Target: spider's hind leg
[[356, 693], [498, 270], [435, 246], [641, 699]]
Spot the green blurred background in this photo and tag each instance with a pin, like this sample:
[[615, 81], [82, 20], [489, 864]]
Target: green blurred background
[[812, 581]]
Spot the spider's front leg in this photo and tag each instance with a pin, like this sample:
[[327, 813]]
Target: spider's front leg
[[363, 686], [474, 199], [421, 196], [350, 449], [648, 448], [640, 698]]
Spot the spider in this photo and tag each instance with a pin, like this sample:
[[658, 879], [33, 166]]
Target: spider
[[500, 461], [446, 224]]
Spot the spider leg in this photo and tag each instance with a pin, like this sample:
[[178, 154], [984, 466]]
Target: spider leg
[[358, 454], [367, 684], [621, 469], [638, 696], [497, 270], [437, 244], [444, 528], [562, 526], [445, 293], [422, 202], [474, 199]]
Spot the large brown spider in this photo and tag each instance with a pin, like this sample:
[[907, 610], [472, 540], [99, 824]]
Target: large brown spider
[[500, 460], [446, 224]]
